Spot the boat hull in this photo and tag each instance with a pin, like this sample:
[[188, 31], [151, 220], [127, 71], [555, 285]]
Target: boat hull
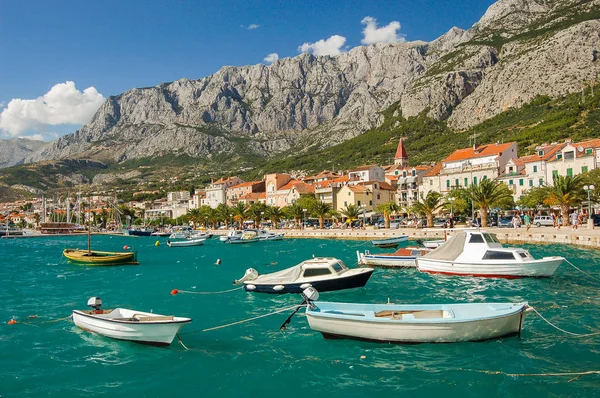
[[160, 334], [542, 268], [389, 261], [391, 242], [417, 331], [79, 256], [324, 285], [132, 232], [186, 243], [240, 241]]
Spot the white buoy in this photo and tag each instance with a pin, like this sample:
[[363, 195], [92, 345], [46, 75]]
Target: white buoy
[[250, 287], [278, 288], [305, 285], [218, 262]]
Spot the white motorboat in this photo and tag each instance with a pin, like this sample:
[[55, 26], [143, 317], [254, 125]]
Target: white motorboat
[[401, 258], [479, 253], [247, 237], [186, 242], [390, 242], [131, 325], [414, 323], [182, 232], [263, 234], [233, 234], [432, 244], [324, 273]]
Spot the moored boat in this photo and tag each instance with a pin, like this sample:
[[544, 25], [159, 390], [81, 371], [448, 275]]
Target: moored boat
[[323, 273], [186, 242], [401, 258], [130, 325], [233, 234], [479, 253], [263, 234], [247, 237], [96, 257], [390, 242]]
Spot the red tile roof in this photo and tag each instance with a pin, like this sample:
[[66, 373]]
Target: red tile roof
[[435, 170], [479, 152], [362, 168], [549, 152]]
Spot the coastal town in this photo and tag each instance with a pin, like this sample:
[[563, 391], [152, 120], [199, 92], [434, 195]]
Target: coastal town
[[364, 190]]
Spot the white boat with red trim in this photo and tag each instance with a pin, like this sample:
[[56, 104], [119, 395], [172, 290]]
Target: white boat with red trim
[[131, 325], [479, 253], [405, 257]]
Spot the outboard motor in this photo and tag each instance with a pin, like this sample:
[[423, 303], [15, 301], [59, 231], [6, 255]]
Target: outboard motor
[[250, 275], [310, 294], [95, 303]]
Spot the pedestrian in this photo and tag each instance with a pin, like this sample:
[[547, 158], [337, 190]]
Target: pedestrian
[[553, 220], [574, 220], [527, 219], [580, 219], [515, 221], [451, 222], [559, 222]]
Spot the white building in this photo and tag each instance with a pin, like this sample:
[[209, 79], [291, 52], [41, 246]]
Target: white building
[[366, 173], [216, 192]]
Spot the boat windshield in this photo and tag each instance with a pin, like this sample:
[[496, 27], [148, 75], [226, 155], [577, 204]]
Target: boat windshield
[[316, 272], [490, 238], [337, 267]]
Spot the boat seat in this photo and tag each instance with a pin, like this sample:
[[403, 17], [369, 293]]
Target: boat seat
[[145, 318]]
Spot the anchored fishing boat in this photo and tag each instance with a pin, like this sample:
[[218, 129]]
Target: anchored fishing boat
[[96, 257], [186, 242], [233, 234], [390, 242], [324, 273], [247, 237], [401, 258], [263, 234], [130, 325], [413, 323], [479, 253]]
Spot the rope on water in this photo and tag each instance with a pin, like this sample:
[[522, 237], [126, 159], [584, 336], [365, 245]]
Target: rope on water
[[583, 272], [562, 330], [175, 291], [58, 320], [250, 319], [181, 342], [576, 374]]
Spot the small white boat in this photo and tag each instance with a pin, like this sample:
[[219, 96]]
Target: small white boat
[[131, 325], [479, 253], [323, 273], [263, 234], [401, 258], [186, 242], [233, 234], [161, 233], [182, 232], [390, 242], [415, 323], [432, 244], [247, 237]]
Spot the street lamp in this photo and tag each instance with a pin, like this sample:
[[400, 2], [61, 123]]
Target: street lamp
[[206, 222], [304, 223], [262, 214], [231, 220], [588, 189], [364, 207], [451, 200]]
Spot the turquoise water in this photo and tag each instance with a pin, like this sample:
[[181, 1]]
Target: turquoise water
[[252, 359]]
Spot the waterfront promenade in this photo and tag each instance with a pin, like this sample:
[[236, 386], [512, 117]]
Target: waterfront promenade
[[581, 237]]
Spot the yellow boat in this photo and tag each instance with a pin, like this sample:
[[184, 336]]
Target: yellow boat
[[95, 257]]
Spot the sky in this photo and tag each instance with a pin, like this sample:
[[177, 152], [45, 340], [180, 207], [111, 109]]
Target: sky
[[60, 59]]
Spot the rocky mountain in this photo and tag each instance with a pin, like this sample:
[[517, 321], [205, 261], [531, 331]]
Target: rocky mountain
[[13, 151], [518, 49]]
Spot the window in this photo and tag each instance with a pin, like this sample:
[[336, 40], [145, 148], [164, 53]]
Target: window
[[476, 238], [370, 203], [490, 238], [554, 173], [456, 182], [447, 183], [535, 169], [510, 182], [530, 183], [337, 267], [541, 182], [414, 173], [540, 153], [569, 155], [349, 193], [558, 156], [345, 204], [396, 172], [584, 169], [475, 181], [520, 182], [358, 203], [485, 177], [316, 272], [588, 151], [404, 173], [496, 255], [510, 169], [570, 172], [466, 182], [378, 196]]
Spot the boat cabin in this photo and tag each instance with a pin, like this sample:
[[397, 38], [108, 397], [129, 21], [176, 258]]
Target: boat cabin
[[322, 266]]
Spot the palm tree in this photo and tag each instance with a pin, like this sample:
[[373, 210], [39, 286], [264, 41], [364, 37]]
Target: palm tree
[[321, 210], [489, 193], [566, 192], [224, 213], [351, 212], [195, 216], [387, 209], [256, 213], [240, 213], [104, 216], [432, 203], [275, 214], [296, 212]]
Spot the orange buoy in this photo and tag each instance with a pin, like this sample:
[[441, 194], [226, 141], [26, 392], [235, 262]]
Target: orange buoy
[[12, 322], [125, 247], [174, 292]]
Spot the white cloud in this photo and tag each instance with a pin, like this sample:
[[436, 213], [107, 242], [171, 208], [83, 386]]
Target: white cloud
[[36, 137], [331, 46], [253, 26], [385, 34], [63, 104], [271, 58], [1, 104]]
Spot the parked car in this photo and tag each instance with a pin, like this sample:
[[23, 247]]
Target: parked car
[[596, 218], [506, 222], [546, 221], [440, 222]]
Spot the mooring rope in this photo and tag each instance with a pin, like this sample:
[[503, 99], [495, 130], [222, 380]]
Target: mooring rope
[[583, 272], [562, 330], [249, 319], [175, 291], [58, 320]]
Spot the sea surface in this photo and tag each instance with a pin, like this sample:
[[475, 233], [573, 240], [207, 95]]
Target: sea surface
[[47, 356]]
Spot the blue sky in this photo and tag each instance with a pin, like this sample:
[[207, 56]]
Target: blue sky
[[113, 46]]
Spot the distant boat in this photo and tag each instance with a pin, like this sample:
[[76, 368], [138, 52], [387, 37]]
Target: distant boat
[[131, 325], [401, 258], [390, 242], [60, 228], [480, 253], [416, 323], [233, 234], [186, 242], [324, 273], [6, 230], [247, 237], [140, 232], [263, 234]]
